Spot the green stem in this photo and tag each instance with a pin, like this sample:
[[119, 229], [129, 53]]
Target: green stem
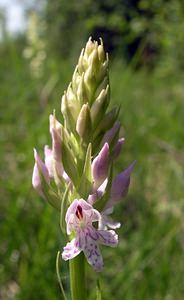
[[77, 278]]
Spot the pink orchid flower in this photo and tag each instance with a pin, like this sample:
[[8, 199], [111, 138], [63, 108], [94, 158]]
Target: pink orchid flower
[[79, 219]]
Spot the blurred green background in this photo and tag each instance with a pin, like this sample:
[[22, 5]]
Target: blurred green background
[[145, 40]]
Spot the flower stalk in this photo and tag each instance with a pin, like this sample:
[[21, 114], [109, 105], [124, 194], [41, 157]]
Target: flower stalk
[[78, 278]]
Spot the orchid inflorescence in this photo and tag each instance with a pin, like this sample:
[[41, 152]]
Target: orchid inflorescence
[[76, 176]]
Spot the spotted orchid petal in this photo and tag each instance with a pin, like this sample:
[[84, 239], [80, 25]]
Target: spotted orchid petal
[[108, 237], [71, 250], [92, 252]]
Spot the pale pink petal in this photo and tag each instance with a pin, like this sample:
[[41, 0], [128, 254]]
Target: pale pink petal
[[107, 222], [102, 188], [97, 193], [36, 181], [84, 204], [108, 237], [71, 250], [71, 210], [92, 253], [49, 160], [95, 215], [70, 226], [92, 198], [56, 145]]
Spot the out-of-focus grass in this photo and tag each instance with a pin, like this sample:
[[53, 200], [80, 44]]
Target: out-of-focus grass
[[149, 261]]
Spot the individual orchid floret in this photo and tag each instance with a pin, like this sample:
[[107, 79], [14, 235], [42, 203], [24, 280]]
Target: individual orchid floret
[[79, 219], [120, 184], [39, 171], [100, 166]]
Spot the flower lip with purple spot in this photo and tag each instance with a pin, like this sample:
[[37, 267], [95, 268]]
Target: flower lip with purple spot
[[79, 212]]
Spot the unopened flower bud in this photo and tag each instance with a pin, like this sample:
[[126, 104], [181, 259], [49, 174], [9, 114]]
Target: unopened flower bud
[[118, 147], [89, 80], [83, 125], [89, 47], [68, 110], [120, 184], [81, 91], [39, 171], [80, 62], [100, 166], [41, 166], [101, 52], [93, 60], [112, 133], [99, 106]]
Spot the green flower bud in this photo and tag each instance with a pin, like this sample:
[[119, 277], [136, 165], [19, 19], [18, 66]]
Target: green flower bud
[[89, 47], [69, 109], [81, 91], [99, 106], [83, 125], [101, 52]]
